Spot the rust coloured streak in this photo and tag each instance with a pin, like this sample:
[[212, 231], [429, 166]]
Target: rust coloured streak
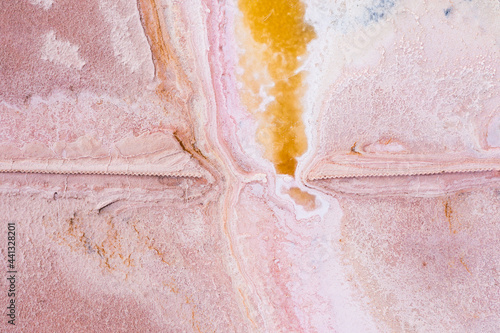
[[448, 213], [174, 86]]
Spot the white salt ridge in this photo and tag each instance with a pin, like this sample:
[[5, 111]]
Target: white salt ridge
[[123, 42], [61, 52], [45, 4]]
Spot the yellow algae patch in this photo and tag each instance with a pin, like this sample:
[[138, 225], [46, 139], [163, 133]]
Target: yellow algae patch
[[280, 26]]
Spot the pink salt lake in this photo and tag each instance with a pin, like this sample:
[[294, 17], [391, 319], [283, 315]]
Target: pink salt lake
[[136, 168]]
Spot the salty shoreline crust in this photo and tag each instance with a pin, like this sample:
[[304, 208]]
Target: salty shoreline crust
[[240, 248]]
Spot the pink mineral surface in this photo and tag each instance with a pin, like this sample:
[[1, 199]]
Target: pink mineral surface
[[250, 166]]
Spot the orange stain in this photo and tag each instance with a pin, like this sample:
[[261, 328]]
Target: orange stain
[[306, 200], [386, 141], [246, 307], [354, 149], [279, 24], [465, 265], [448, 212]]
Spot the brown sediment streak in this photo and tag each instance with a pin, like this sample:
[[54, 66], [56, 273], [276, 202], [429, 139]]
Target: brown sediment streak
[[448, 212], [280, 26], [174, 87], [174, 83]]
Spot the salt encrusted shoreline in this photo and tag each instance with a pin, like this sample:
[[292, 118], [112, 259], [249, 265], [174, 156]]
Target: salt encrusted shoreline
[[143, 200]]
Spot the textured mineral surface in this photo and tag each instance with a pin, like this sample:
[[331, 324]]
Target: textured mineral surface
[[250, 166]]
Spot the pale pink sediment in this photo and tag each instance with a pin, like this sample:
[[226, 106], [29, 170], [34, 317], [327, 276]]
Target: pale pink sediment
[[143, 202], [417, 100], [156, 154], [371, 165]]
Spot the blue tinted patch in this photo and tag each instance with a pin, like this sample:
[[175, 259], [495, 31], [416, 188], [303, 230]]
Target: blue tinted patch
[[447, 11], [378, 10]]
